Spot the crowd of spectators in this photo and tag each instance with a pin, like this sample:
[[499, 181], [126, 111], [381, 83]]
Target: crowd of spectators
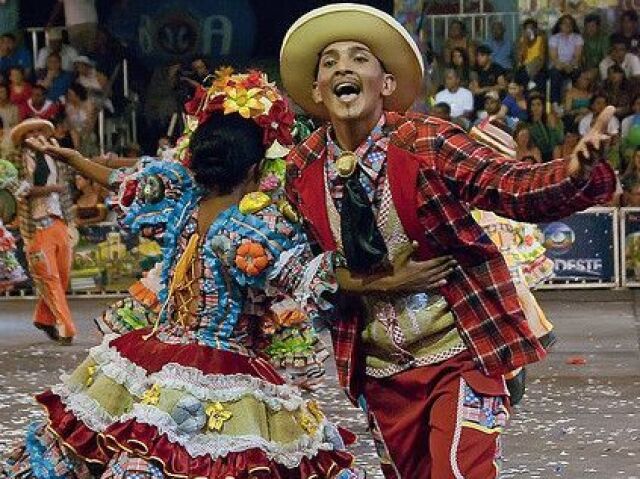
[[547, 87]]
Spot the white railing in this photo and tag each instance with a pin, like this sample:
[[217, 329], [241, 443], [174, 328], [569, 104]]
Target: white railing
[[478, 26]]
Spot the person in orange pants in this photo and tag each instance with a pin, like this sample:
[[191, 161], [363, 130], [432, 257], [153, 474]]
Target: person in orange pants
[[49, 255], [44, 226]]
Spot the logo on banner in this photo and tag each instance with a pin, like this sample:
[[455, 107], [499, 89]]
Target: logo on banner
[[559, 238]]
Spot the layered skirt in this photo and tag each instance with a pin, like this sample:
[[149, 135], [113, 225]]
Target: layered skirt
[[140, 407]]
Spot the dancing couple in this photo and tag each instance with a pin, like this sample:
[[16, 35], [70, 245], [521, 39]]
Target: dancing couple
[[423, 312]]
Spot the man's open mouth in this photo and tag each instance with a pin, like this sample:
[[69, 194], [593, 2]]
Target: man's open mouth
[[347, 91]]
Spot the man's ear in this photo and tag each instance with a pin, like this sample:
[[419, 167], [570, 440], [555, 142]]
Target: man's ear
[[315, 93], [389, 85]]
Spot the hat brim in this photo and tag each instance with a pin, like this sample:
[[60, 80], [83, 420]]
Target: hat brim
[[382, 34], [22, 129]]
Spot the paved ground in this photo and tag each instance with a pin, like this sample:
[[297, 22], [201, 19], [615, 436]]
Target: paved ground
[[577, 421]]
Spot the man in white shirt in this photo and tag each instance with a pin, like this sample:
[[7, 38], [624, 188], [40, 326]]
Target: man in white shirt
[[81, 20], [598, 103], [458, 98], [67, 53], [619, 55]]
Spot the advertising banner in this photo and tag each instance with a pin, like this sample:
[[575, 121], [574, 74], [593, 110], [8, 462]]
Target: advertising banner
[[104, 260], [583, 247], [630, 223]]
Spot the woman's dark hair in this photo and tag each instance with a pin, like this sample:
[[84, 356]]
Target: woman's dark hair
[[223, 149], [566, 16], [519, 127], [79, 90], [463, 54], [532, 97]]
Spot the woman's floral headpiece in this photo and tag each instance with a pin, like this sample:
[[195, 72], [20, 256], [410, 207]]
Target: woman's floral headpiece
[[250, 95]]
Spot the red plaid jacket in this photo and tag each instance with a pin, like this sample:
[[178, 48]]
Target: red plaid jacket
[[437, 174]]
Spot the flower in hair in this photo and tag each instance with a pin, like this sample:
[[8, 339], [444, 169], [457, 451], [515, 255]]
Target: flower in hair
[[244, 102]]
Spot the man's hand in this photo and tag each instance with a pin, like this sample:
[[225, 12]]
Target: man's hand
[[50, 146], [590, 150], [417, 276]]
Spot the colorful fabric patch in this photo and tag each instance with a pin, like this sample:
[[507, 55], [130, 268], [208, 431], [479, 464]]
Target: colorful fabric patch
[[485, 413]]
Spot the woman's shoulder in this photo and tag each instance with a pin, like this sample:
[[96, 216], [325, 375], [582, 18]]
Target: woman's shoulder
[[274, 215]]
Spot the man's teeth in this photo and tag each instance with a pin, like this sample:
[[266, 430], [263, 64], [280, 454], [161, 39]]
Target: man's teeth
[[347, 97]]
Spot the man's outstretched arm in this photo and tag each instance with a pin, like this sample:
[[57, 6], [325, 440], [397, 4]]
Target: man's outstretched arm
[[525, 192]]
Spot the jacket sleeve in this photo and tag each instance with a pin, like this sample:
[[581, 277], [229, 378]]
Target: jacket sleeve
[[521, 191]]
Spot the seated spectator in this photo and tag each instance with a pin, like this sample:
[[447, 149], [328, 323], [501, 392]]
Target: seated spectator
[[578, 98], [19, 91], [432, 72], [633, 119], [546, 130], [630, 132], [515, 103], [8, 111], [39, 106], [565, 149], [95, 82], [459, 99], [565, 55], [618, 91], [133, 150], [531, 57], [525, 149], [596, 42], [459, 61], [631, 181], [13, 56], [599, 103], [61, 130], [89, 206], [629, 31], [441, 110], [619, 55], [596, 105], [493, 110], [67, 53], [501, 48], [458, 38], [81, 116], [55, 79], [487, 76]]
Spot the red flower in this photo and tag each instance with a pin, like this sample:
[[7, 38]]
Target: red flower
[[277, 124], [192, 106], [129, 193], [253, 80]]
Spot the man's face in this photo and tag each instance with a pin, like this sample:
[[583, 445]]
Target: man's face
[[618, 52], [491, 105], [200, 68], [53, 63], [37, 97], [451, 81], [55, 45], [591, 28], [497, 30], [598, 105], [482, 59], [351, 82]]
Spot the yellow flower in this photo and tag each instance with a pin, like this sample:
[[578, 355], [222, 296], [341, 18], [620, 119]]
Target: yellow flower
[[308, 423], [151, 396], [218, 415], [315, 410], [91, 370], [245, 102], [224, 72], [254, 202]]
